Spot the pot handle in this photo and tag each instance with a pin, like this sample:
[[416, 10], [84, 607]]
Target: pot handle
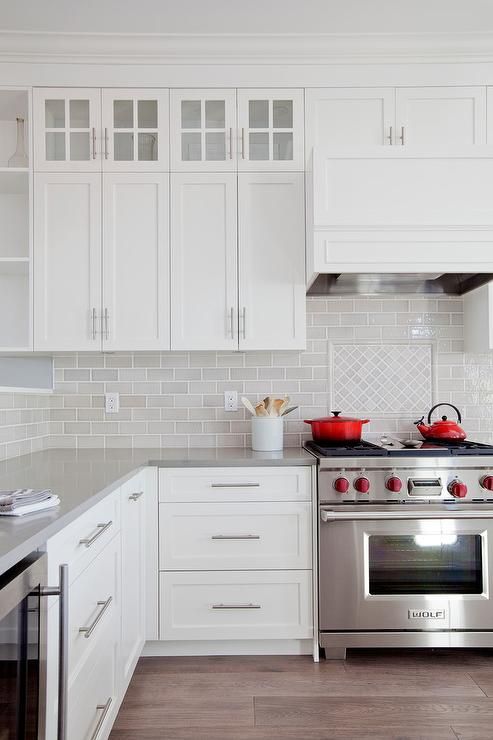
[[365, 421], [308, 421], [459, 417]]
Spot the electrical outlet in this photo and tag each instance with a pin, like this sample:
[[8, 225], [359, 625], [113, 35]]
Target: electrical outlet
[[230, 400], [112, 403]]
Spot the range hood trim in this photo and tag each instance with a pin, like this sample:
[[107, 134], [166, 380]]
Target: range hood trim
[[346, 284]]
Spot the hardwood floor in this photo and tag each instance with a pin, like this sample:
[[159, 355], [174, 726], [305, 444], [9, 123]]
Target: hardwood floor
[[374, 695]]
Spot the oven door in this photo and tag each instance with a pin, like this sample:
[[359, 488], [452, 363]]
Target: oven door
[[407, 571]]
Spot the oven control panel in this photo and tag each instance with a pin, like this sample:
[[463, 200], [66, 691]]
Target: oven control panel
[[355, 484]]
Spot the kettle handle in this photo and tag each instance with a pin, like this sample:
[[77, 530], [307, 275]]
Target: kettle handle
[[459, 416]]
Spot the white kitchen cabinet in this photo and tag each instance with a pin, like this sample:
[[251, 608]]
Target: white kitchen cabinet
[[67, 129], [346, 117], [135, 249], [478, 319], [271, 234], [135, 130], [204, 301], [433, 118], [270, 124], [203, 130], [67, 261], [133, 595]]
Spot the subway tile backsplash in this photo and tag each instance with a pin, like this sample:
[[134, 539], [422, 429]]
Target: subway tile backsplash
[[175, 399]]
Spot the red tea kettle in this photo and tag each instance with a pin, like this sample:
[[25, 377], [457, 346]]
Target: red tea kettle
[[443, 429]]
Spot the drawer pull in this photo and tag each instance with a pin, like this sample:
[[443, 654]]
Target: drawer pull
[[235, 485], [104, 708], [87, 631], [135, 496], [235, 537], [88, 541], [236, 606]]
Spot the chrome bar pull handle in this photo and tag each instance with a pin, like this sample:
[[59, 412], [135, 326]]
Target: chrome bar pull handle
[[63, 639], [390, 137], [88, 541], [235, 537], [87, 631], [401, 137], [94, 319], [106, 324], [231, 143], [106, 143], [93, 139], [104, 709], [135, 496], [232, 322], [243, 143], [235, 485], [243, 316], [236, 606]]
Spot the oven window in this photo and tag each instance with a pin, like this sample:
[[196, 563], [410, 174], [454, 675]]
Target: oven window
[[425, 564]]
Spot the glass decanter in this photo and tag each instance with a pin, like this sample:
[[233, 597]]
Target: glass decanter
[[19, 158]]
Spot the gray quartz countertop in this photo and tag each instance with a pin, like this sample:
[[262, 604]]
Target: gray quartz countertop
[[82, 477]]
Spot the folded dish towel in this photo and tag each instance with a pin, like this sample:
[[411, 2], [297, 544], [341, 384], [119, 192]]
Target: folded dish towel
[[26, 501]]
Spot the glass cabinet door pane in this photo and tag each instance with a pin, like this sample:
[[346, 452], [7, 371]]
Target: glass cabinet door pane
[[190, 113], [215, 146], [215, 114], [123, 114], [147, 113], [55, 113], [147, 147], [79, 113], [259, 146], [258, 114], [282, 114], [55, 146], [79, 146], [191, 147], [282, 145], [124, 147]]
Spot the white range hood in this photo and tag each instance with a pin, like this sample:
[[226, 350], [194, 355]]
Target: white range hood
[[392, 220]]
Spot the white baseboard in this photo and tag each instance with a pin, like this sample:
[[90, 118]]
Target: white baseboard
[[227, 647]]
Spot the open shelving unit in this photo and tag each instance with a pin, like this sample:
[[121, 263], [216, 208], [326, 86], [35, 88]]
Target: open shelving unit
[[16, 231]]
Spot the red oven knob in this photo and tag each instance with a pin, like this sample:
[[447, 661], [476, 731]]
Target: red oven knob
[[362, 484], [341, 485], [393, 484], [487, 482], [457, 489]]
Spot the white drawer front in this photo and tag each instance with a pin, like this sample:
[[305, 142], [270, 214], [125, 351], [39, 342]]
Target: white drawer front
[[236, 605], [92, 603], [92, 696], [234, 484], [235, 536], [82, 540]]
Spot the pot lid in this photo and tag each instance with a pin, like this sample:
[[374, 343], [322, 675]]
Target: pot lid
[[336, 417]]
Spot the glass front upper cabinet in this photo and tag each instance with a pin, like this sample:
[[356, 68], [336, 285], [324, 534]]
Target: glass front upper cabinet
[[134, 131], [203, 130], [270, 129], [67, 129]]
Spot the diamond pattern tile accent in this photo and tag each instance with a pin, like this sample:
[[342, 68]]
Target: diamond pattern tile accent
[[382, 378]]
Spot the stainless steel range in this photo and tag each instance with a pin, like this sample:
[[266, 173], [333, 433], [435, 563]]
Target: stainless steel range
[[405, 546]]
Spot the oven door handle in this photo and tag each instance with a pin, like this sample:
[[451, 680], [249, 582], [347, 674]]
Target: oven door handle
[[62, 592], [329, 516]]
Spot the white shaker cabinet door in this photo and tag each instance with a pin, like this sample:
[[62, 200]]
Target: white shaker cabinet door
[[270, 130], [67, 129], [67, 261], [135, 307], [349, 118], [135, 130], [204, 303], [431, 118], [203, 130], [133, 594], [271, 233]]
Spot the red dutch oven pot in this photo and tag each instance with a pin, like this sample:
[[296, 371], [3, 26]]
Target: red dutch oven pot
[[336, 428]]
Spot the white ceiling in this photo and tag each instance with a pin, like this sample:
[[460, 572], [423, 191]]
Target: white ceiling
[[247, 16]]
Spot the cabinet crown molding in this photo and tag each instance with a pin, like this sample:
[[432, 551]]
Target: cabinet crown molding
[[168, 49]]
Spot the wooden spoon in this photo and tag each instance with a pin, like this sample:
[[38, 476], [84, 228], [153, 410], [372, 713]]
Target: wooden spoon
[[248, 405]]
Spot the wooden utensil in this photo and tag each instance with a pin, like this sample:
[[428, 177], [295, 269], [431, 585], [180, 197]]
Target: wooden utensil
[[248, 405]]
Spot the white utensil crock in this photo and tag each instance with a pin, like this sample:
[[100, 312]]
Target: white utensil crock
[[267, 433]]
